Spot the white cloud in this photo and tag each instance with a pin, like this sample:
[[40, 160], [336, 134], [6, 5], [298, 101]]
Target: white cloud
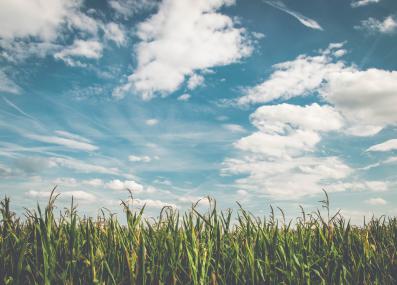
[[151, 122], [374, 26], [90, 49], [293, 78], [119, 185], [190, 199], [18, 50], [289, 178], [115, 33], [184, 97], [354, 93], [136, 158], [360, 3], [96, 182], [376, 201], [7, 85], [234, 128], [370, 185], [340, 52], [284, 117], [279, 145], [258, 36], [65, 181], [40, 18], [385, 146], [242, 193], [81, 166], [181, 38], [364, 97], [150, 203], [278, 158], [72, 136], [79, 195], [310, 23], [69, 142], [38, 28], [43, 19], [195, 81], [288, 130]]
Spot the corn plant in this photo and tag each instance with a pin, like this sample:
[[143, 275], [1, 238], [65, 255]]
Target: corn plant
[[212, 247]]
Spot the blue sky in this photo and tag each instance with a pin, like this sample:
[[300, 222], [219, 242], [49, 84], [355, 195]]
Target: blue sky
[[262, 102]]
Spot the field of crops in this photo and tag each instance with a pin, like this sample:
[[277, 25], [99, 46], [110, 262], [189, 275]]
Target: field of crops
[[194, 248]]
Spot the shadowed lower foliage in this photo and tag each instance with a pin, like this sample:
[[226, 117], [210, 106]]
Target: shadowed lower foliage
[[196, 248]]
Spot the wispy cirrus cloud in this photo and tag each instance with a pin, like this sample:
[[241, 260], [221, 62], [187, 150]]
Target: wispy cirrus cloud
[[19, 110], [385, 146], [128, 8], [361, 3], [7, 85], [63, 141], [310, 23]]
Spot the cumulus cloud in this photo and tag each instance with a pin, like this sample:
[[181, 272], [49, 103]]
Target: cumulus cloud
[[375, 26], [150, 203], [41, 18], [89, 49], [279, 145], [44, 21], [364, 97], [385, 146], [279, 158], [119, 185], [38, 28], [114, 32], [354, 93], [180, 39], [287, 130], [184, 97], [310, 23], [360, 3], [284, 117], [293, 78], [194, 81]]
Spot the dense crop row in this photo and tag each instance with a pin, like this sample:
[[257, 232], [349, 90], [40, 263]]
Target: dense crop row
[[208, 248]]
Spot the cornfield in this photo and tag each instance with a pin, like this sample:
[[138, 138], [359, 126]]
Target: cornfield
[[210, 247]]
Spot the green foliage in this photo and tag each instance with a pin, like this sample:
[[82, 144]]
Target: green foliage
[[196, 248]]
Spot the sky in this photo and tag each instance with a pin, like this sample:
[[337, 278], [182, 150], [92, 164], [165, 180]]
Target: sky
[[261, 102]]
